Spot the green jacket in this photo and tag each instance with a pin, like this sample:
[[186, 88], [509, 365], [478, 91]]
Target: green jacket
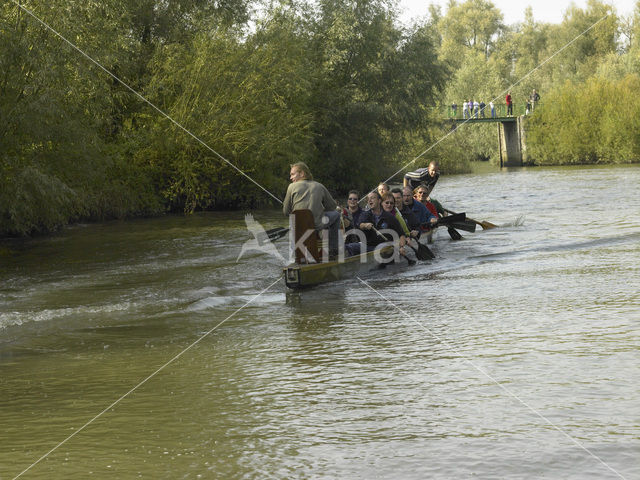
[[310, 195]]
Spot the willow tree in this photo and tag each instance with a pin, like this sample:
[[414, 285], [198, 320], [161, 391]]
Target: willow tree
[[599, 130], [373, 87], [56, 164], [473, 25], [246, 102], [584, 38]]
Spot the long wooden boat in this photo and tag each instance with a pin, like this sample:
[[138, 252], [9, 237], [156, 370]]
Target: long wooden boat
[[309, 270], [298, 276]]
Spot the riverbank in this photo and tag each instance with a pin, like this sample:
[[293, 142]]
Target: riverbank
[[477, 168]]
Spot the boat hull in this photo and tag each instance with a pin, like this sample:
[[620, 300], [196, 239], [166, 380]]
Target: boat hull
[[300, 276]]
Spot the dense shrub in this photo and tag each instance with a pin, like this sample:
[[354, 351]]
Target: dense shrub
[[584, 123]]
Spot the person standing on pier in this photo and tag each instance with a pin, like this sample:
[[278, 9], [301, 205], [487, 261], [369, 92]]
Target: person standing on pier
[[509, 104], [534, 98]]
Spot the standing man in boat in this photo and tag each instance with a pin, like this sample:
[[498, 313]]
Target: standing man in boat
[[305, 193]]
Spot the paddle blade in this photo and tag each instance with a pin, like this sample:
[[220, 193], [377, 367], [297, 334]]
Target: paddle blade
[[424, 252], [276, 233], [449, 219], [467, 226], [454, 234], [487, 225]]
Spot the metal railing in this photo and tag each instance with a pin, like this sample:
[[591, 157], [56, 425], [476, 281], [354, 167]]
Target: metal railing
[[499, 111]]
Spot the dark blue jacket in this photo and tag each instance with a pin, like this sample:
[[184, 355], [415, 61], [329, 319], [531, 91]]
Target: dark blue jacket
[[385, 221]]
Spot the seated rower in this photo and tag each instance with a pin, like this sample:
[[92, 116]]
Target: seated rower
[[422, 212], [355, 212], [408, 220], [423, 176], [422, 195], [389, 206], [382, 220]]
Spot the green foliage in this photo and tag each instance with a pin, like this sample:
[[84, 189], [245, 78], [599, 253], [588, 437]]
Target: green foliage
[[57, 117], [582, 68], [245, 101], [371, 94], [595, 122], [472, 25], [336, 84]]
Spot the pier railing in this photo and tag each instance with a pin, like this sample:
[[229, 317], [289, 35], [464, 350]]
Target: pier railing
[[499, 111]]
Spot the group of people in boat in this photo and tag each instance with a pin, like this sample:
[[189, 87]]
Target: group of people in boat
[[390, 215]]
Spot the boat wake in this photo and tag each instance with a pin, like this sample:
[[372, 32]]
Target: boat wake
[[518, 222], [19, 318], [631, 238]]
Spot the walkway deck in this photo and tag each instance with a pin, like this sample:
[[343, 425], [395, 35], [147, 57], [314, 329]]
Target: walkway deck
[[499, 114], [459, 121]]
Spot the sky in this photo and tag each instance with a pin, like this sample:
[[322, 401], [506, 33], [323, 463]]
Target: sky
[[550, 11]]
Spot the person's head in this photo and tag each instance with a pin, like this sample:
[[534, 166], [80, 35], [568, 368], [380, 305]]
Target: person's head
[[388, 202], [373, 200], [352, 199], [300, 171], [433, 169], [397, 195], [407, 196], [383, 188], [421, 193]]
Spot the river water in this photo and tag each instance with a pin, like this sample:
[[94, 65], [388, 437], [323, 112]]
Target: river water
[[514, 354]]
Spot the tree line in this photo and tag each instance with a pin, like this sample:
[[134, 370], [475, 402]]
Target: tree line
[[338, 84]]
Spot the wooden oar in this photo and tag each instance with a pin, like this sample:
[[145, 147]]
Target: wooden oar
[[484, 224], [453, 218], [457, 221]]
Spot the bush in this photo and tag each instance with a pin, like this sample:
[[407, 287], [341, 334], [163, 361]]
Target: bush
[[592, 122]]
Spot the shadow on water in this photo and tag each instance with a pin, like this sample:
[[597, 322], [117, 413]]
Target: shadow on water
[[323, 298]]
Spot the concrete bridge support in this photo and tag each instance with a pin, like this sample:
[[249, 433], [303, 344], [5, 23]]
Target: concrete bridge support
[[513, 150]]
